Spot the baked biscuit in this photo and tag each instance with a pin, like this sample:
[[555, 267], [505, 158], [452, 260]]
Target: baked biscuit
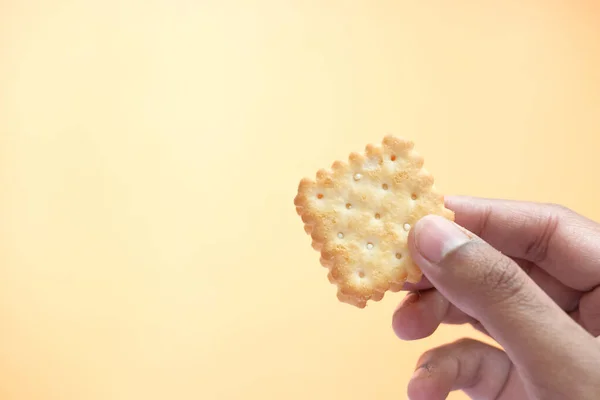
[[359, 213]]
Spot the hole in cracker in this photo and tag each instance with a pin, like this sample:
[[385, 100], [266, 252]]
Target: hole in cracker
[[414, 196], [360, 273], [340, 235], [393, 157], [398, 256], [357, 177], [348, 206], [320, 196], [384, 186], [406, 227], [369, 246], [377, 216]]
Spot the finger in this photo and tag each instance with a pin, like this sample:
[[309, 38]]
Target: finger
[[494, 290], [480, 370], [566, 297], [421, 313], [565, 244]]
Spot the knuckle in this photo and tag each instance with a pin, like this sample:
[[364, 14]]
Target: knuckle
[[537, 250], [503, 279]]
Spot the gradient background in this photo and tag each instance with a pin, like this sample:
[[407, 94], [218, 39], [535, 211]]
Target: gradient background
[[150, 152]]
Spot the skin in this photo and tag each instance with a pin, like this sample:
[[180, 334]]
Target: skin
[[526, 274]]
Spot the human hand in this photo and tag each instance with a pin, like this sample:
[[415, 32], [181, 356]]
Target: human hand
[[526, 274]]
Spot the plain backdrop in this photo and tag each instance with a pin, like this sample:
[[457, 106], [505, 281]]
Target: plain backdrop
[[150, 152]]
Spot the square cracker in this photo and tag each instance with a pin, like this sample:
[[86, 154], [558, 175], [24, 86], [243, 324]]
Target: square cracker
[[359, 214]]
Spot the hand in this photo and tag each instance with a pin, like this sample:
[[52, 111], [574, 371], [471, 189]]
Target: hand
[[526, 274]]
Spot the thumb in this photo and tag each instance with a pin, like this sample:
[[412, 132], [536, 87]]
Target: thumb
[[493, 289]]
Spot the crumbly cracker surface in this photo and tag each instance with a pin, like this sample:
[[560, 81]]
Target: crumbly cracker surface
[[359, 214]]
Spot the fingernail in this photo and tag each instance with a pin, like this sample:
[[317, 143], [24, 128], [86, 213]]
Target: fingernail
[[437, 236]]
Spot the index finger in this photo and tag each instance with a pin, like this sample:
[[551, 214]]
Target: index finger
[[562, 242]]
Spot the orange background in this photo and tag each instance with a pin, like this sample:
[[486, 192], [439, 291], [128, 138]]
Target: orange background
[[150, 152]]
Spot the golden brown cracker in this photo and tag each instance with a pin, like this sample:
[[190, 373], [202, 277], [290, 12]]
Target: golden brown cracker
[[359, 214]]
